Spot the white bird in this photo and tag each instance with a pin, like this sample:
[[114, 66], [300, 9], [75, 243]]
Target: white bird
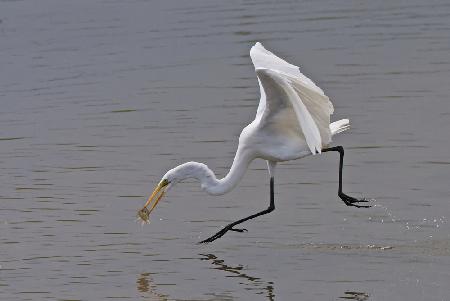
[[292, 121]]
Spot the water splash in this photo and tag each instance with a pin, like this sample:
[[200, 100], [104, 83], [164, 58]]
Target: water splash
[[435, 222]]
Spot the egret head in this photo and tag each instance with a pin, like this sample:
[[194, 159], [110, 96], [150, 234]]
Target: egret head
[[172, 177]]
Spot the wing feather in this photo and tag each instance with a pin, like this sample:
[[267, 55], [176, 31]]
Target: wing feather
[[279, 79], [279, 90]]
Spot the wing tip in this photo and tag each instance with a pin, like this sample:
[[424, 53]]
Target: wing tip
[[258, 47], [258, 44]]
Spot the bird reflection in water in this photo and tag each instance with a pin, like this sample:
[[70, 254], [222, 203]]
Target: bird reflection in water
[[257, 283], [145, 285], [358, 296], [145, 282]]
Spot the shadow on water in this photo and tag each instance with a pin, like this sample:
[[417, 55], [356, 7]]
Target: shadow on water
[[266, 287]]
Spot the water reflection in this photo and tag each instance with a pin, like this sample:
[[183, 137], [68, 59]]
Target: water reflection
[[266, 287], [145, 285], [359, 296]]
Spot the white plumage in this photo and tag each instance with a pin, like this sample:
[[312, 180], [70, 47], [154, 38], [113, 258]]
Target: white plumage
[[285, 90], [292, 121]]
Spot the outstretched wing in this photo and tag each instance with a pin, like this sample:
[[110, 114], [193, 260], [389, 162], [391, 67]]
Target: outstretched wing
[[282, 84]]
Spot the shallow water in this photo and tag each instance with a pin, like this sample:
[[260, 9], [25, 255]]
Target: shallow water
[[99, 98]]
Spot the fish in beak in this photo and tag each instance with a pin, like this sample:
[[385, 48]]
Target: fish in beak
[[156, 196]]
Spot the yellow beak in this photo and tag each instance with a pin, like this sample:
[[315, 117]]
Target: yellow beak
[[156, 196]]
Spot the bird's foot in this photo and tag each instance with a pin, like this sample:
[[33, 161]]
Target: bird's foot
[[221, 233], [350, 201]]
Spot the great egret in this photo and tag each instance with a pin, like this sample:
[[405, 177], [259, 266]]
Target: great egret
[[292, 121]]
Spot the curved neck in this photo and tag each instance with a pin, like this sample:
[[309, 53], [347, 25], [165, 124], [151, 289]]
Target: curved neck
[[240, 164], [206, 176], [208, 179]]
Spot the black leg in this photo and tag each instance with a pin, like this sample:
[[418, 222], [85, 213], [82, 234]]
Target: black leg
[[348, 200], [229, 227]]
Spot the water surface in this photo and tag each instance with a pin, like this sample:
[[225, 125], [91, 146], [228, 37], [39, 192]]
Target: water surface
[[99, 98]]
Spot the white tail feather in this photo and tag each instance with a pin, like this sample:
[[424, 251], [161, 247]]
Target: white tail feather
[[339, 126]]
